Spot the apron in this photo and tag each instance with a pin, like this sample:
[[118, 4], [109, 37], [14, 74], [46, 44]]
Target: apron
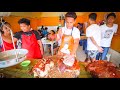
[[30, 43], [8, 46], [67, 44]]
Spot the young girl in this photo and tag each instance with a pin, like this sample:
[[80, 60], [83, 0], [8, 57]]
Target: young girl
[[52, 37], [5, 39]]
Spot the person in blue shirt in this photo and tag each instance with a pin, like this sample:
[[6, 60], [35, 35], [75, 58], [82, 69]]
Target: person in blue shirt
[[45, 32]]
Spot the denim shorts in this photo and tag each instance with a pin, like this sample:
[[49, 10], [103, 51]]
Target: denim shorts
[[92, 53]]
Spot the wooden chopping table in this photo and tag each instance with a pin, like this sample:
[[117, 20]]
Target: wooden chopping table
[[18, 71]]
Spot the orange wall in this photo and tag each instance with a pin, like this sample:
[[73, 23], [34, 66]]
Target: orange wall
[[116, 43], [13, 20], [35, 22], [116, 39], [50, 21]]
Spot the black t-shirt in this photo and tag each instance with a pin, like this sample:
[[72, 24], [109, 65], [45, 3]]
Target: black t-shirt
[[18, 35]]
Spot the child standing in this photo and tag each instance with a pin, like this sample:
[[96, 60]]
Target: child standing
[[52, 37], [30, 39], [94, 38]]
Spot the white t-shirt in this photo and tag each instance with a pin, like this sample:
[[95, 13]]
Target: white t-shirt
[[75, 32], [93, 31], [59, 42], [107, 34]]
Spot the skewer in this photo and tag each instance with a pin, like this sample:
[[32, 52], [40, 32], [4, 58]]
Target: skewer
[[1, 38], [2, 41], [16, 54]]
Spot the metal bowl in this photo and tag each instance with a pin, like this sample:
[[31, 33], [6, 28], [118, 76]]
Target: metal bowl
[[8, 58]]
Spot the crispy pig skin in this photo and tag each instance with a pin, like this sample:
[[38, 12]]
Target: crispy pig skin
[[103, 69]]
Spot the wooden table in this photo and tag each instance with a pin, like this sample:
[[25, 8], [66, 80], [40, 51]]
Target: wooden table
[[18, 71]]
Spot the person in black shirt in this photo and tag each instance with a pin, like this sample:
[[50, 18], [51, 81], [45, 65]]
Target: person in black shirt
[[30, 39], [40, 33]]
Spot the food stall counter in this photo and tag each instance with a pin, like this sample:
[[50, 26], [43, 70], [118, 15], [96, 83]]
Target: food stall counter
[[19, 71]]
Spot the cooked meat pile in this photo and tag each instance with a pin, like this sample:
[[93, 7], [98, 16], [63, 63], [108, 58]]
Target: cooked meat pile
[[53, 67], [42, 67], [103, 69]]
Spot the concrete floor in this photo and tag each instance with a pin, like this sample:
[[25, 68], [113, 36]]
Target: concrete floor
[[80, 54]]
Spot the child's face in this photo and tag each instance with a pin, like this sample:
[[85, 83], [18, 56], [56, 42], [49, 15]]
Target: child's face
[[111, 19], [6, 29], [51, 32], [24, 27], [70, 22]]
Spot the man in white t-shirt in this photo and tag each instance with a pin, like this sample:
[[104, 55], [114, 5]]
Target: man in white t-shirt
[[70, 37], [70, 30], [94, 38], [107, 32]]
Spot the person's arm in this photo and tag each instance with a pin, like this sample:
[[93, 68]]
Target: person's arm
[[59, 35], [17, 36], [116, 30], [41, 46], [76, 37], [15, 39], [0, 47], [0, 44], [75, 46], [94, 42], [39, 40]]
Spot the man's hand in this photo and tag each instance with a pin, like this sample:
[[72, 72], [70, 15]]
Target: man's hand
[[31, 29], [100, 49], [69, 60], [72, 54], [60, 53]]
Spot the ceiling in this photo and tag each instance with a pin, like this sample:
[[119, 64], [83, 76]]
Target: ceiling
[[41, 14]]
